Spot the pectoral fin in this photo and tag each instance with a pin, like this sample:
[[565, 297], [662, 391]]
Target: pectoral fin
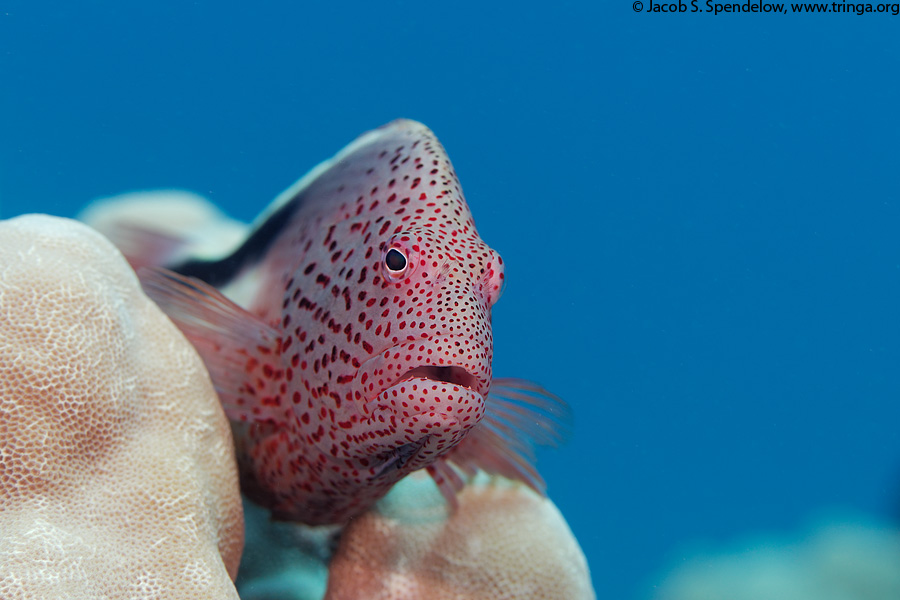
[[519, 415], [239, 349]]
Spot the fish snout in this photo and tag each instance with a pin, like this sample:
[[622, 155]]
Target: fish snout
[[495, 278], [428, 374], [461, 359]]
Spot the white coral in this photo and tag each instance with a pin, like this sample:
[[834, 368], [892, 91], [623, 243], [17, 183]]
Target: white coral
[[116, 468]]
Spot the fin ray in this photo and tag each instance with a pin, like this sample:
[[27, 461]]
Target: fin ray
[[143, 246], [448, 481], [226, 336], [519, 415]]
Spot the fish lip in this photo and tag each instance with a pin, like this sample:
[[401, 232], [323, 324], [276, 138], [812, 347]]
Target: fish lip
[[451, 374], [457, 380], [464, 374]]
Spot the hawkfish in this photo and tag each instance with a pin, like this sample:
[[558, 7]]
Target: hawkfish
[[349, 336]]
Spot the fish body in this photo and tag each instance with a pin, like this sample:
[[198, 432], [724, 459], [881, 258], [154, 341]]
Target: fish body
[[349, 336]]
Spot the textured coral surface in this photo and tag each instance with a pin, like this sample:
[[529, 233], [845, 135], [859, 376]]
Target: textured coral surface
[[117, 475], [504, 542]]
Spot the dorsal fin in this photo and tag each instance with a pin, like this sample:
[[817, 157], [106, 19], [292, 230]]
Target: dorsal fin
[[221, 272]]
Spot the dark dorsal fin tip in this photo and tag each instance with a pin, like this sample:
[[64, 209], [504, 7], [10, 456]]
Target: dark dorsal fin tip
[[218, 273]]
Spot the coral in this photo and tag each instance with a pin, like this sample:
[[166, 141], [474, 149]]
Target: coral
[[845, 559], [191, 225], [505, 542], [117, 476]]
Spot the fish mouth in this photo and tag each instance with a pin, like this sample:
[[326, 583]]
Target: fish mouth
[[455, 363], [453, 375]]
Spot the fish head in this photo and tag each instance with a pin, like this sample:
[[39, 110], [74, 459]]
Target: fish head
[[429, 376], [387, 316]]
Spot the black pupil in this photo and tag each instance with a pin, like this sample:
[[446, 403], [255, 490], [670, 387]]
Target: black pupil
[[395, 260]]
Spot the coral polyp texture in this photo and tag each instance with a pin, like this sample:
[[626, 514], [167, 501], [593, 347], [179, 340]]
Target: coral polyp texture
[[504, 542], [117, 476]]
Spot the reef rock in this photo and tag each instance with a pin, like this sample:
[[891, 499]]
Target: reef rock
[[841, 559], [504, 542], [160, 226], [117, 476]]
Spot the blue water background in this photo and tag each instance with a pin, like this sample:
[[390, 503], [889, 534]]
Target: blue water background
[[699, 215]]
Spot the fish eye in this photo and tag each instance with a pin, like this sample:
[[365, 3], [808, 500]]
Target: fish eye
[[395, 261], [399, 257]]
